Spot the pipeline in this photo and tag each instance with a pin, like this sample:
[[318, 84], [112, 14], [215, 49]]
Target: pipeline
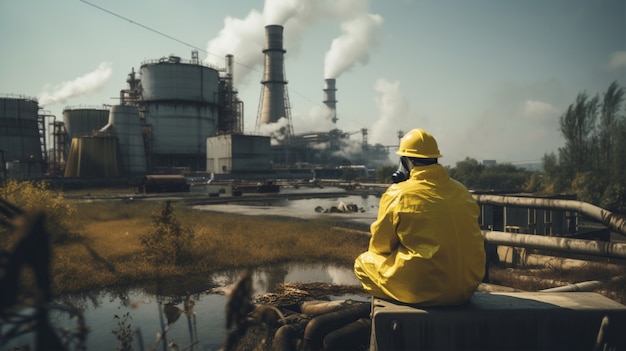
[[579, 246], [319, 327], [582, 286], [615, 222], [591, 285], [353, 336], [286, 336], [318, 307]]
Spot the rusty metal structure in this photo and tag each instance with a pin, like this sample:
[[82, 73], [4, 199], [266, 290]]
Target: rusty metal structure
[[613, 222]]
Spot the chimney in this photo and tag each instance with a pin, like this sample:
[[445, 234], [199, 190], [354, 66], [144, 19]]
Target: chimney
[[274, 98], [329, 98]]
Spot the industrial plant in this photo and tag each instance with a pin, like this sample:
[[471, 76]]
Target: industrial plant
[[179, 116]]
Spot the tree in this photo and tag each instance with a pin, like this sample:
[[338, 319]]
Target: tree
[[577, 126], [169, 241], [609, 128], [467, 172], [384, 172], [591, 164]]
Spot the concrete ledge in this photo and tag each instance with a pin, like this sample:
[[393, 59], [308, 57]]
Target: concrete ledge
[[501, 321]]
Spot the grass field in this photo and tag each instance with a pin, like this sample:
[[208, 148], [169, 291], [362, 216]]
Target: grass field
[[104, 248]]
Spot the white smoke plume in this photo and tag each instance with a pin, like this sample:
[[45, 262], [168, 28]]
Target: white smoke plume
[[82, 85], [350, 149], [245, 38], [276, 131], [359, 35], [242, 38], [318, 119], [393, 108]]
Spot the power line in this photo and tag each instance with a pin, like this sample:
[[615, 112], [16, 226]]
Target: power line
[[159, 32], [165, 35]]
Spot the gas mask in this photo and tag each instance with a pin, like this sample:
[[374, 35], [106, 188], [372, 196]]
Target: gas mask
[[403, 171]]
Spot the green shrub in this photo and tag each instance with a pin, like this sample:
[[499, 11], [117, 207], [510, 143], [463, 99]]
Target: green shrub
[[36, 196], [168, 242]]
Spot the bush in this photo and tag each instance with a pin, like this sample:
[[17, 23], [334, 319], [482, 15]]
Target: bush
[[36, 196], [168, 242]]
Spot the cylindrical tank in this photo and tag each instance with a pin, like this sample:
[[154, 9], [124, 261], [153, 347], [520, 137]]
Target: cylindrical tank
[[172, 79], [126, 124], [180, 104], [273, 103], [20, 138], [180, 128], [93, 157], [81, 121]]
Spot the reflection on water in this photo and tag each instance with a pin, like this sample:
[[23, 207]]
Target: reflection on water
[[303, 208], [189, 317]]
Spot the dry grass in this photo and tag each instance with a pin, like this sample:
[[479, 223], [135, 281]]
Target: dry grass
[[105, 250]]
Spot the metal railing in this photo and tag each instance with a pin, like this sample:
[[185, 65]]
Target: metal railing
[[614, 222]]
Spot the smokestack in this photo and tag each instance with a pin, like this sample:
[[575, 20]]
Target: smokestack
[[329, 98], [274, 99]]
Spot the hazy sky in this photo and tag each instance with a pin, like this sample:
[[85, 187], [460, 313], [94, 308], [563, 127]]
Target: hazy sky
[[488, 78]]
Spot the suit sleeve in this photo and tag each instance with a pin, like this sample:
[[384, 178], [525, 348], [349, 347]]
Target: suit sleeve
[[384, 238]]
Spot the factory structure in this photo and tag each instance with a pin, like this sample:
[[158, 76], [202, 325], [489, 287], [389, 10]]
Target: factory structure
[[178, 116]]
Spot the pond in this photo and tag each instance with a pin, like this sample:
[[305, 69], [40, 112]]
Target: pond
[[308, 208], [205, 329]]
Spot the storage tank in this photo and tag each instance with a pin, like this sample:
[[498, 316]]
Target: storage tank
[[125, 122], [20, 139], [174, 79], [93, 157], [180, 106], [82, 121]]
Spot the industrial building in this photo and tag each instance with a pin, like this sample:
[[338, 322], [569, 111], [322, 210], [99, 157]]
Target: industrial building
[[177, 116]]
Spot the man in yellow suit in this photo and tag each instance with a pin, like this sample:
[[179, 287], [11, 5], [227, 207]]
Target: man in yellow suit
[[426, 246]]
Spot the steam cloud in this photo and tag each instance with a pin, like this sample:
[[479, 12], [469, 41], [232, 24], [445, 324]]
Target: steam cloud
[[393, 108], [276, 131], [359, 34], [317, 119], [245, 38], [88, 83]]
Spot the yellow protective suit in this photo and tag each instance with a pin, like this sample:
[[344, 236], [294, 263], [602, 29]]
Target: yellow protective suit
[[426, 246]]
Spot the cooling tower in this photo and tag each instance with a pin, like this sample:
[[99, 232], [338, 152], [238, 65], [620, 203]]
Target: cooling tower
[[274, 98], [329, 98]]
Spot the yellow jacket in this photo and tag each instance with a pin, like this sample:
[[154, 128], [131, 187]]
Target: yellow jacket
[[426, 246]]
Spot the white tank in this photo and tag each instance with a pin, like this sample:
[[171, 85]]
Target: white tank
[[82, 121], [126, 124], [173, 79]]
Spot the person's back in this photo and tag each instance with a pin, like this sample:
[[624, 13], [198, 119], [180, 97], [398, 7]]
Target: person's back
[[426, 246]]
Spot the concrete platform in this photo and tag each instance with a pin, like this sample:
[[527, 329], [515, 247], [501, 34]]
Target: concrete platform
[[501, 321]]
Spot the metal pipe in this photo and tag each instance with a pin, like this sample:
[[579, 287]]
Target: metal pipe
[[587, 247], [615, 222], [582, 286], [591, 285]]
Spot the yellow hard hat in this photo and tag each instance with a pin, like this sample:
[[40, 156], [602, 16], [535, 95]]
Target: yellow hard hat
[[418, 143]]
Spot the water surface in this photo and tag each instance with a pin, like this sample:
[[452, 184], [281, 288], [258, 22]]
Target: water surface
[[205, 328]]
